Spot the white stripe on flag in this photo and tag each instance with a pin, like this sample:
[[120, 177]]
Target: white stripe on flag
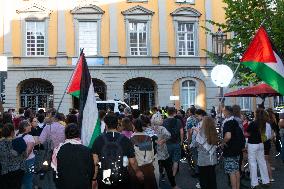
[[90, 116], [278, 67]]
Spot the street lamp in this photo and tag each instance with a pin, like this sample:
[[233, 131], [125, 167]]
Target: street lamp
[[221, 74], [219, 49]]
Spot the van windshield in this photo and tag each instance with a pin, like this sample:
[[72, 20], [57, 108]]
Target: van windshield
[[105, 106]]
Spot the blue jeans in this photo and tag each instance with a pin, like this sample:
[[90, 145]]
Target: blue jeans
[[27, 182], [174, 151], [282, 148]]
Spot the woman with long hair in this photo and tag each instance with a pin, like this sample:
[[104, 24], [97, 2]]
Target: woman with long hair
[[207, 140], [256, 131]]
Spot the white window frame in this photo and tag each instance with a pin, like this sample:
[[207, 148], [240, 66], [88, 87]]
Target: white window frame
[[186, 40], [188, 89], [243, 103], [87, 13], [139, 53], [35, 44], [97, 33], [190, 16], [138, 14]]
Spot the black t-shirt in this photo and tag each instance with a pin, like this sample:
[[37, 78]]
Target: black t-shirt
[[255, 137], [75, 167], [126, 144], [173, 125], [231, 126]]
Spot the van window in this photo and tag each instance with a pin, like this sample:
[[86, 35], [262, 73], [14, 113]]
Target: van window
[[121, 107], [105, 106]]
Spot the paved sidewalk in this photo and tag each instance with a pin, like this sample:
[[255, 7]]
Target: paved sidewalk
[[185, 181]]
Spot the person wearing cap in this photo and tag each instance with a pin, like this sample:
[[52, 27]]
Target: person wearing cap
[[281, 126]]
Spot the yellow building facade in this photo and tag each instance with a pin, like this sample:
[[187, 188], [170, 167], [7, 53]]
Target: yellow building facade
[[139, 51]]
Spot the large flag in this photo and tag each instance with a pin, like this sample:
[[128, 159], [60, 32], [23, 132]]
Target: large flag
[[88, 116], [262, 58]]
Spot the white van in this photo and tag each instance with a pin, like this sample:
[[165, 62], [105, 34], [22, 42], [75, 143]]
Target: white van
[[113, 105]]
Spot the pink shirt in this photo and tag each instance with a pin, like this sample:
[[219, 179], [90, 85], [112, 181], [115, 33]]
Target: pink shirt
[[128, 134], [55, 132]]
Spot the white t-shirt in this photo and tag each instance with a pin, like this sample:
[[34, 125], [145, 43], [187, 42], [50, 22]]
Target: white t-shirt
[[29, 139]]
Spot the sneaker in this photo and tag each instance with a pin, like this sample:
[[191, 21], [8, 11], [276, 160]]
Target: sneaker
[[272, 180], [198, 186]]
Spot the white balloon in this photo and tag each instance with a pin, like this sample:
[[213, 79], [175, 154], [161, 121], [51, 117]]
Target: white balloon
[[222, 75]]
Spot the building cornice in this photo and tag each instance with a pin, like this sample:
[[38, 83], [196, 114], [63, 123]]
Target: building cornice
[[137, 10], [107, 67]]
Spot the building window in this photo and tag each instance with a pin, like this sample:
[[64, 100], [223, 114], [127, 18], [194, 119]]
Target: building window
[[278, 101], [245, 103], [35, 38], [188, 92], [87, 24], [138, 38], [186, 43], [88, 38]]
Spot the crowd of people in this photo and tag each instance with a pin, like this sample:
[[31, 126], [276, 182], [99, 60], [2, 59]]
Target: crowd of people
[[137, 150]]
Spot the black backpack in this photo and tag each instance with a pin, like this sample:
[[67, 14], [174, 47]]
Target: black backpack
[[19, 144], [238, 140], [112, 159], [175, 133]]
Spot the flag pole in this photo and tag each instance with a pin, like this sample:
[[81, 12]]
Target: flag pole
[[69, 82]]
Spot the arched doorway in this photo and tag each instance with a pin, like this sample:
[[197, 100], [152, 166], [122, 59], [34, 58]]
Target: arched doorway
[[100, 90], [140, 91], [36, 93]]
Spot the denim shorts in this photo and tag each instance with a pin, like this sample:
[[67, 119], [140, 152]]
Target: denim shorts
[[174, 151], [231, 164]]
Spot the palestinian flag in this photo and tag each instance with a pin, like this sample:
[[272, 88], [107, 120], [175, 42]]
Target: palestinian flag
[[74, 85], [88, 116], [262, 58]]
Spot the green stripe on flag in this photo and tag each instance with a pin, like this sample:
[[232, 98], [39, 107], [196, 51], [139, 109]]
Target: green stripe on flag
[[268, 75], [75, 94], [96, 133]]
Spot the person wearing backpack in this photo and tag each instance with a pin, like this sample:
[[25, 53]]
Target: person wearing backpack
[[112, 152], [233, 144], [257, 130], [144, 154], [174, 126]]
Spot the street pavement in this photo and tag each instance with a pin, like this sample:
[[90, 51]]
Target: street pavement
[[185, 181]]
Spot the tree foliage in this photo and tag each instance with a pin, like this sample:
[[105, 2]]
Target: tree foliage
[[243, 18]]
